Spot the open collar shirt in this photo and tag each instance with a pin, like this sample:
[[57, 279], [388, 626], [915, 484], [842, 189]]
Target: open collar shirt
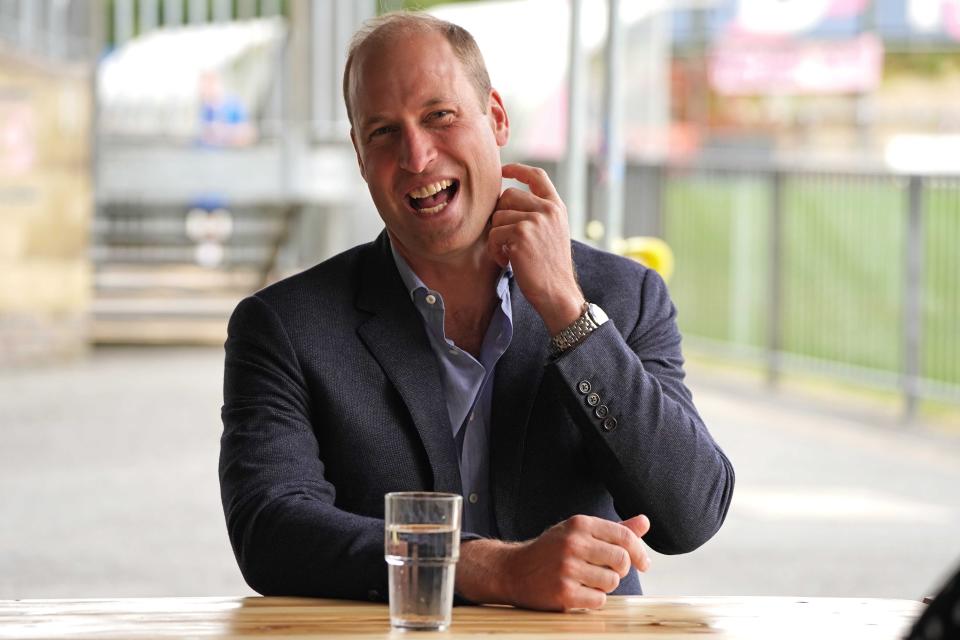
[[467, 389]]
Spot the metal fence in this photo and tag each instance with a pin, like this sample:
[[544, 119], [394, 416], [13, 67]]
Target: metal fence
[[850, 275], [853, 275]]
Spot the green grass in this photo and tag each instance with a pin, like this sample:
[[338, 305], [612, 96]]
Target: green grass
[[941, 281], [842, 261]]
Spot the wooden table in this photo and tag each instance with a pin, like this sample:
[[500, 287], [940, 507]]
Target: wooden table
[[713, 618]]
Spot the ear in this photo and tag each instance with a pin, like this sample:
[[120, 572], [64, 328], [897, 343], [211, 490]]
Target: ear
[[356, 149], [499, 121]]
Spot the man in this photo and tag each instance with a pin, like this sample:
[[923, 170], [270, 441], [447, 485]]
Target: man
[[468, 350]]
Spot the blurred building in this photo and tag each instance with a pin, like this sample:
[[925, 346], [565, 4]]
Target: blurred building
[[847, 79], [162, 158], [214, 135], [46, 207], [797, 155]]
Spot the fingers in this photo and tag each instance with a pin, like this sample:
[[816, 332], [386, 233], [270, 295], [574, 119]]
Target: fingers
[[504, 217], [531, 230], [499, 244], [534, 177], [572, 565], [574, 595], [603, 532], [520, 200], [510, 232], [614, 557], [623, 536], [640, 525], [600, 578]]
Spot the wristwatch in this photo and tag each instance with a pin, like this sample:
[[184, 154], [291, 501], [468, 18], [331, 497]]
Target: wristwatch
[[588, 322]]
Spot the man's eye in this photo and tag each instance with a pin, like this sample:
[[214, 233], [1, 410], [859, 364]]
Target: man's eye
[[441, 115], [380, 131]]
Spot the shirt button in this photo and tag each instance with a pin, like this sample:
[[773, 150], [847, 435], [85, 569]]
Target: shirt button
[[610, 424], [593, 399], [473, 414], [473, 498], [584, 387], [453, 352], [431, 299], [602, 411]]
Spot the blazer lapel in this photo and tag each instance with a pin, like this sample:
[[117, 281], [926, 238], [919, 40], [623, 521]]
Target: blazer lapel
[[515, 387], [396, 337]]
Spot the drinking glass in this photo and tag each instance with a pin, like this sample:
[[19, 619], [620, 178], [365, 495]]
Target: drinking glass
[[421, 545]]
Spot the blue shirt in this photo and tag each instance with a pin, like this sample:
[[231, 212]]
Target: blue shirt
[[467, 389]]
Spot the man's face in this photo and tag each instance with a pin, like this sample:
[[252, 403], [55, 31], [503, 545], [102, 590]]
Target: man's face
[[428, 147]]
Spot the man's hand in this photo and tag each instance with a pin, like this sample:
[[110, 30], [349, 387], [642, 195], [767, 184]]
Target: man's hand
[[531, 231], [572, 565]]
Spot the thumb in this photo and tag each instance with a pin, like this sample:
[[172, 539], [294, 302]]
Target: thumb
[[639, 525]]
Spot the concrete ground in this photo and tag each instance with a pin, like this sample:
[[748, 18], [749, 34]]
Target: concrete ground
[[108, 487]]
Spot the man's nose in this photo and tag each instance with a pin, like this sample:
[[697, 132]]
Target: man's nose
[[417, 150]]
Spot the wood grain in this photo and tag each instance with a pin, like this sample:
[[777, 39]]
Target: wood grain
[[714, 618]]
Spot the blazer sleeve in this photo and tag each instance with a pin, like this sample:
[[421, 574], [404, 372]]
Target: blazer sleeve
[[288, 536], [648, 444]]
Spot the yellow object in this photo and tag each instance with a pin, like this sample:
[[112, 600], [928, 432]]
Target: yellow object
[[595, 230], [650, 252]]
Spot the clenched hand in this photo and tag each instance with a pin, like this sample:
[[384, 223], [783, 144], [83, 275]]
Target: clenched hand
[[572, 565]]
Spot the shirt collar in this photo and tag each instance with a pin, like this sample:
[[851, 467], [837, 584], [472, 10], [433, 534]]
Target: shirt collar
[[410, 279], [413, 283]]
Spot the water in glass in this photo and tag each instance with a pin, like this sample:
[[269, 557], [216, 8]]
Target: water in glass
[[422, 560]]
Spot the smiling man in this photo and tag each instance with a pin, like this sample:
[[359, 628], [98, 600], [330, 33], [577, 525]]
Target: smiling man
[[471, 348]]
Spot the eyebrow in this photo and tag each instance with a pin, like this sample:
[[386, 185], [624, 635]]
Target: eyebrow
[[379, 118]]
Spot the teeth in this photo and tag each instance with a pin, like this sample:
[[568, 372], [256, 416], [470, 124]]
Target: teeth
[[433, 210], [430, 189]]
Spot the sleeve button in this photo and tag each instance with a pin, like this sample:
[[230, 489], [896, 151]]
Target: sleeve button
[[584, 387], [593, 399], [602, 411], [609, 424]]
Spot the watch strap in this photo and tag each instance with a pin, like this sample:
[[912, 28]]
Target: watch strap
[[575, 332]]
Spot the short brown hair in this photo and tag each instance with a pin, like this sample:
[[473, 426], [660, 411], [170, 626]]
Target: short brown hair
[[379, 29]]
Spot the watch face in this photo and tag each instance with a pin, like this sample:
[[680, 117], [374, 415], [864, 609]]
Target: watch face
[[597, 314]]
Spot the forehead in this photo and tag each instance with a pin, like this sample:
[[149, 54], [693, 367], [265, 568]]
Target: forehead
[[405, 70]]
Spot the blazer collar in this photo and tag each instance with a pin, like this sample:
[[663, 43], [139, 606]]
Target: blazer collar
[[396, 337]]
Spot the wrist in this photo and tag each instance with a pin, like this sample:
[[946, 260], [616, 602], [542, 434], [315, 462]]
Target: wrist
[[572, 335], [563, 312], [481, 574]]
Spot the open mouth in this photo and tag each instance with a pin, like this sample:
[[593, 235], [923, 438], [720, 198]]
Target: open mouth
[[433, 198]]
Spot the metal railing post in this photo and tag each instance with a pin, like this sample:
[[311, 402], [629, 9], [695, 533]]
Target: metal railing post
[[912, 298], [123, 25], [172, 13], [147, 18], [197, 11], [222, 10], [28, 16], [775, 281], [614, 157], [575, 163]]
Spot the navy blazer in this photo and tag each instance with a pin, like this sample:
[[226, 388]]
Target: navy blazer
[[333, 397]]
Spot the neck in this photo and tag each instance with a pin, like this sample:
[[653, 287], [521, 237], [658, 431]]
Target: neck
[[467, 276], [467, 283]]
